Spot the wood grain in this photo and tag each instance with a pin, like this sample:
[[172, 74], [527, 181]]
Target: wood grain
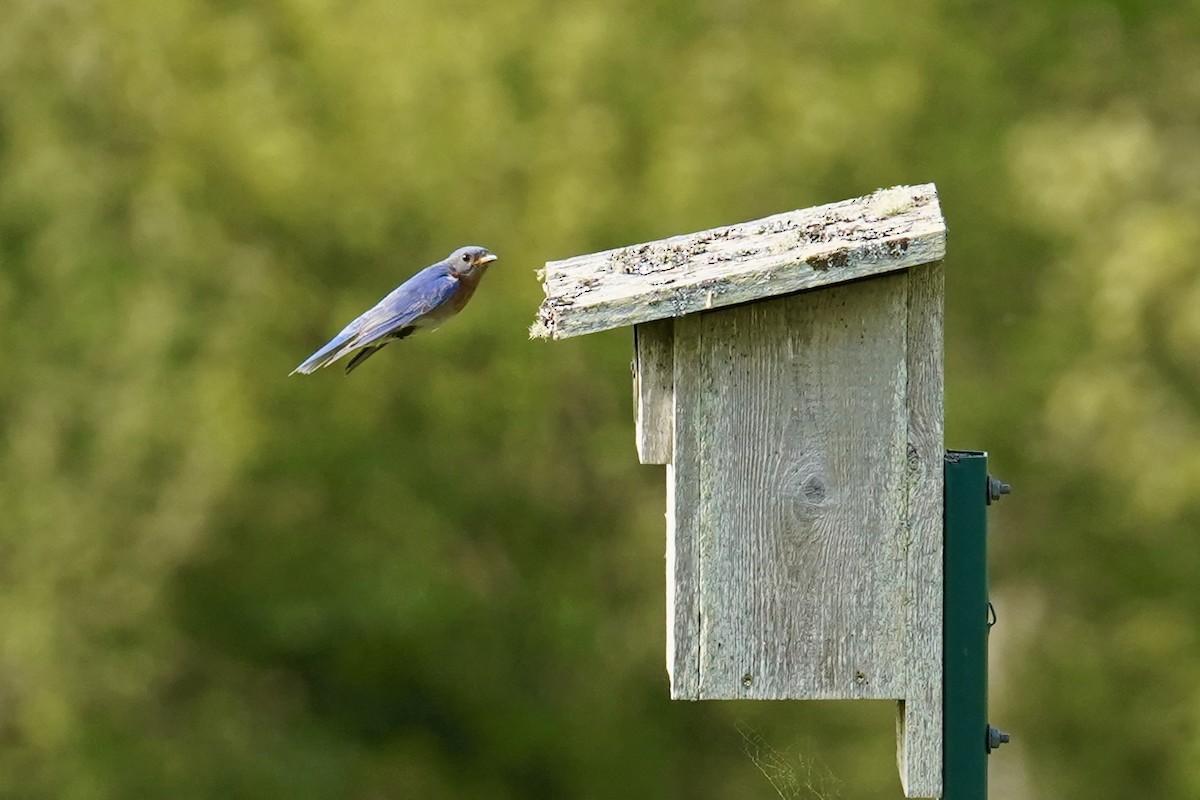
[[889, 230], [802, 460]]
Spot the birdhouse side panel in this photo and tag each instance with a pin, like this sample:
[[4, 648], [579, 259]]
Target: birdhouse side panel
[[654, 389], [919, 728], [684, 505]]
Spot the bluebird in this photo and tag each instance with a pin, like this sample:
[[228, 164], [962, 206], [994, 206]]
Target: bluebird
[[426, 300]]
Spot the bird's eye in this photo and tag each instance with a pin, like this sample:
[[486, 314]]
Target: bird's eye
[[466, 257]]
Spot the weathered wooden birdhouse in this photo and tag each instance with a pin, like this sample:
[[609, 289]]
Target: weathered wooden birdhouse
[[789, 374]]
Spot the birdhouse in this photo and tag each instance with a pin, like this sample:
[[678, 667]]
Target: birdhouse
[[788, 373]]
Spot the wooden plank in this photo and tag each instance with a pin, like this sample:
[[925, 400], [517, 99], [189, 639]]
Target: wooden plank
[[683, 509], [654, 389], [799, 521], [889, 230], [919, 729]]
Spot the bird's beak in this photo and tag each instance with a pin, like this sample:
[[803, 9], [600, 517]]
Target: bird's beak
[[487, 258]]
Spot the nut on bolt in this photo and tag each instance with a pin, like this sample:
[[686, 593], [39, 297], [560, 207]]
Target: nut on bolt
[[996, 489], [996, 737]]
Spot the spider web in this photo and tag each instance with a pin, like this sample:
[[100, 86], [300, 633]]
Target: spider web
[[798, 778]]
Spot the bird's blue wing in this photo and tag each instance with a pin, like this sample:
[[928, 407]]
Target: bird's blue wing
[[417, 297], [421, 294]]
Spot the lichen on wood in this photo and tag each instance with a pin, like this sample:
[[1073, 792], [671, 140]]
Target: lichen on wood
[[888, 230]]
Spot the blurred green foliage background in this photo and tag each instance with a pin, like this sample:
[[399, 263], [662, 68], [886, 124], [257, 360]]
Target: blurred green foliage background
[[443, 577]]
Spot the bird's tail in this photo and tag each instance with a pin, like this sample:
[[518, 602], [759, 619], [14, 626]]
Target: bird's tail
[[324, 357]]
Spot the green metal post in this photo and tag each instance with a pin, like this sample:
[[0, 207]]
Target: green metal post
[[965, 628]]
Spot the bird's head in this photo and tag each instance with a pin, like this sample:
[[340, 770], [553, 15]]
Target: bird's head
[[470, 260]]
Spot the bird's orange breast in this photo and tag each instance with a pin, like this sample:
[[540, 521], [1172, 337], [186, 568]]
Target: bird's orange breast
[[467, 284]]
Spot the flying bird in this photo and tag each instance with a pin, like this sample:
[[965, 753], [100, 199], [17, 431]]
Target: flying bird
[[426, 300]]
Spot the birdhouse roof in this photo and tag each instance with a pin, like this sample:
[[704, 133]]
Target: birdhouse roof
[[888, 230]]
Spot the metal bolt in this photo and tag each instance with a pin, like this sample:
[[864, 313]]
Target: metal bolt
[[996, 489], [996, 737]]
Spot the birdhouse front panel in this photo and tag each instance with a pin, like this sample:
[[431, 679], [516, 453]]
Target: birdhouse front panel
[[804, 500], [789, 495]]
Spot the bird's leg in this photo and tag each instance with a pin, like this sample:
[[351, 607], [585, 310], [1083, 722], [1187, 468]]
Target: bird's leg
[[367, 352], [404, 332]]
